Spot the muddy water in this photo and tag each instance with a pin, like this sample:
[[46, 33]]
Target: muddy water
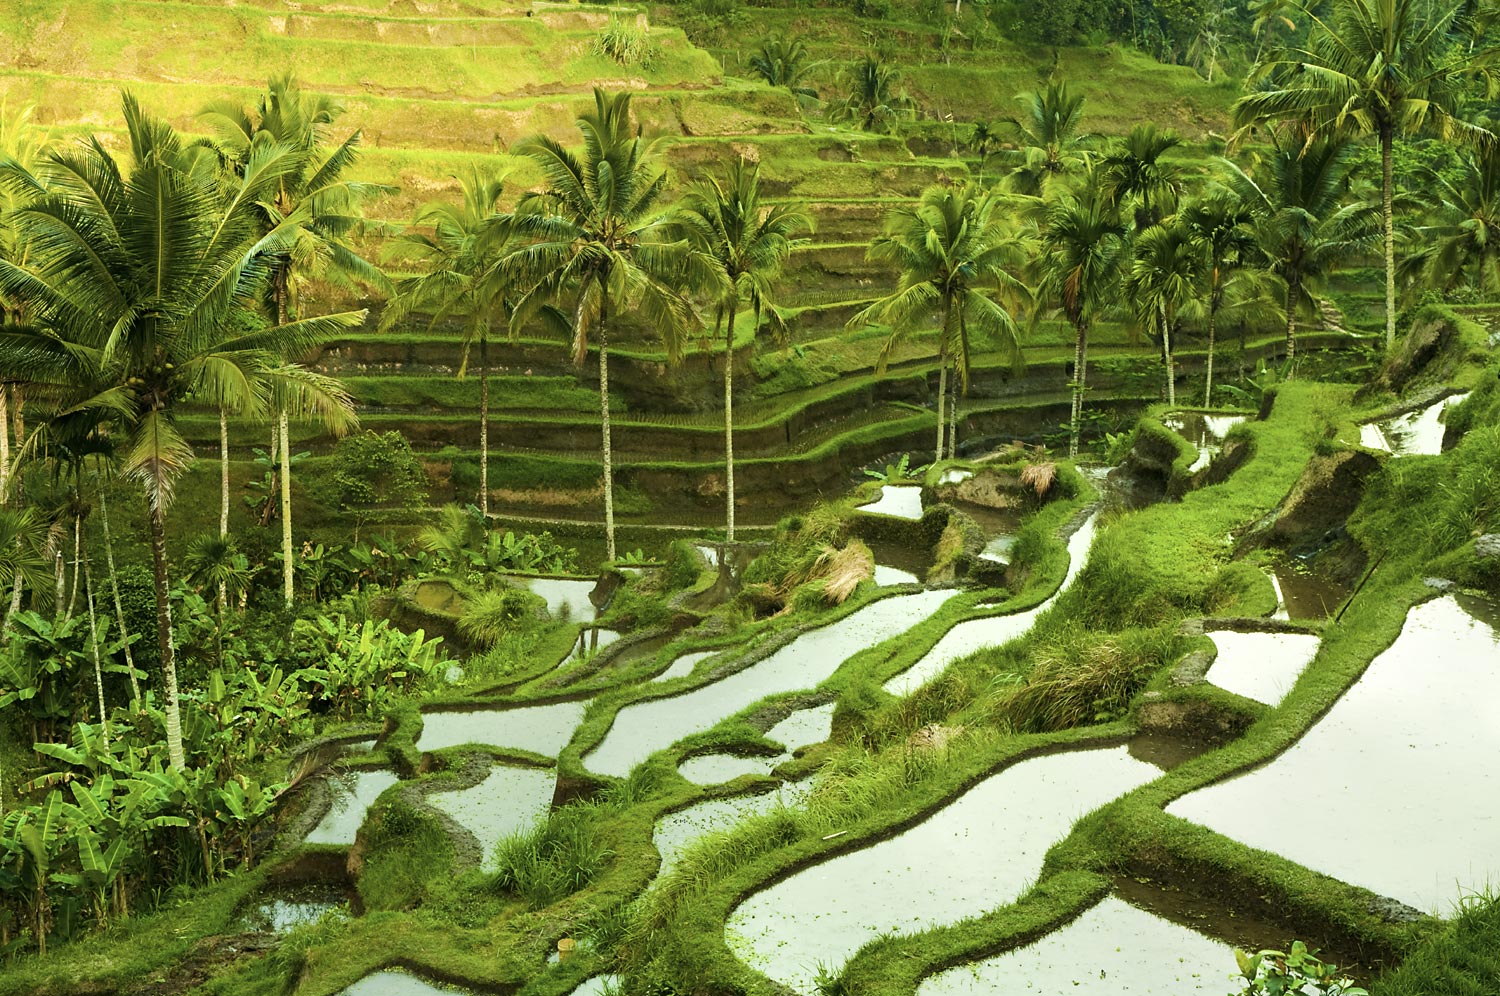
[[565, 598], [973, 855], [1402, 768], [1112, 948], [714, 769], [393, 983], [591, 641], [543, 729], [509, 799], [354, 793], [1304, 592], [1260, 666], [901, 501], [683, 666], [914, 560], [283, 910], [973, 634], [676, 832], [646, 727]]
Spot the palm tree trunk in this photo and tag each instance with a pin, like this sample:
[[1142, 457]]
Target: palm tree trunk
[[1080, 373], [729, 427], [484, 425], [1166, 354], [77, 560], [286, 508], [223, 489], [609, 465], [1293, 295], [942, 398], [953, 411], [1208, 378], [114, 586], [223, 473], [19, 416], [164, 635], [88, 596], [4, 444], [1386, 184]]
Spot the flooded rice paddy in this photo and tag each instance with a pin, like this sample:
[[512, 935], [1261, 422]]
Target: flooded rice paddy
[[1206, 432], [714, 769], [676, 832], [1418, 433], [542, 729], [992, 631], [683, 666], [284, 909], [566, 598], [887, 576], [944, 869], [1414, 737], [353, 794], [1111, 948], [803, 728], [393, 983], [1260, 666], [509, 799], [900, 501], [641, 729]]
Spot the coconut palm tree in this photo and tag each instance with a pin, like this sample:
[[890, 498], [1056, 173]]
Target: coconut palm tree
[[595, 232], [1297, 196], [458, 250], [784, 62], [1163, 274], [1219, 225], [748, 244], [1460, 244], [318, 206], [1135, 172], [144, 284], [1050, 148], [1376, 67], [950, 247], [1083, 252], [875, 101]]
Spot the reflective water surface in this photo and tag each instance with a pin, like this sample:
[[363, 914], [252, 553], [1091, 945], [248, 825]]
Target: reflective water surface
[[510, 798], [1260, 666], [354, 793], [1402, 770], [544, 729], [978, 852]]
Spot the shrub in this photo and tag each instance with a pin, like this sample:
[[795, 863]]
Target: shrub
[[627, 44], [496, 613], [1081, 677], [376, 470], [554, 859]]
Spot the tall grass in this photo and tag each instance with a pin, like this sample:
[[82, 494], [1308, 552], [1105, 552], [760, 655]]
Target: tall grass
[[557, 857], [1080, 676]]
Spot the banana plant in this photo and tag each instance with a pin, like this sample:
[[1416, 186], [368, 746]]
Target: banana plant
[[243, 804]]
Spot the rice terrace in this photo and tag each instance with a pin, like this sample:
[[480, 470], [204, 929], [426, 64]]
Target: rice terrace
[[749, 498]]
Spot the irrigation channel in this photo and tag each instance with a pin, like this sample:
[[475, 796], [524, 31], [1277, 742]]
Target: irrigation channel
[[1428, 694]]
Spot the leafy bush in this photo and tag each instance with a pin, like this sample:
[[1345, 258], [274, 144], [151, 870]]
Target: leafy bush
[[375, 470], [360, 668], [1294, 973]]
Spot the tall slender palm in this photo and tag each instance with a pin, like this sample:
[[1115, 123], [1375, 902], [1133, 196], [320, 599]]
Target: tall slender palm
[[1297, 196], [1219, 225], [875, 99], [1163, 273], [458, 249], [950, 247], [1083, 252], [23, 143], [748, 244], [144, 284], [1051, 148], [1136, 172], [1381, 68], [595, 233], [1460, 243], [317, 205]]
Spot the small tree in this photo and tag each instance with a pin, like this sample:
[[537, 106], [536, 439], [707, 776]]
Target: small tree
[[875, 100], [375, 472]]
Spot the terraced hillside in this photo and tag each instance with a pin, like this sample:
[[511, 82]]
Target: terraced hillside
[[437, 88]]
